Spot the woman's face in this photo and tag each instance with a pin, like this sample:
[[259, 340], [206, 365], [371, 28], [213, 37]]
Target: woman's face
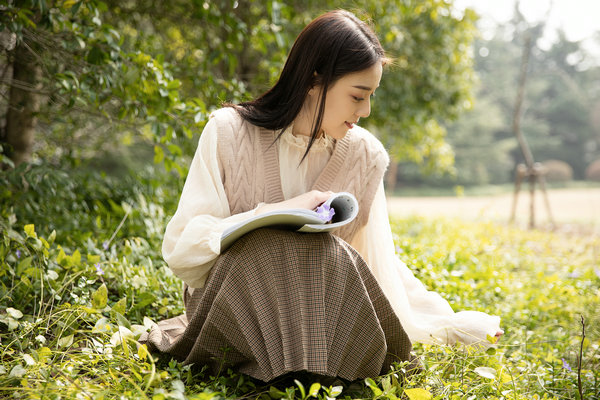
[[349, 99]]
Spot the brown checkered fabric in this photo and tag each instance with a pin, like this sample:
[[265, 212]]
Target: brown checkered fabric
[[278, 302]]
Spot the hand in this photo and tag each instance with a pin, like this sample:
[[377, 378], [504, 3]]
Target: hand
[[309, 200]]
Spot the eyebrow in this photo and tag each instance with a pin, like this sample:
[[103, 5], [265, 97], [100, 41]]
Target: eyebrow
[[363, 87]]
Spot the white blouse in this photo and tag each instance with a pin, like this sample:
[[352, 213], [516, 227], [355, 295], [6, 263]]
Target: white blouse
[[192, 240]]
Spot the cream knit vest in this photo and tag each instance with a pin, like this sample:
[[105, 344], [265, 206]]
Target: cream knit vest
[[249, 161]]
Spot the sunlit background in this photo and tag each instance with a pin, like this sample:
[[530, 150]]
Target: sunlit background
[[579, 19], [559, 117]]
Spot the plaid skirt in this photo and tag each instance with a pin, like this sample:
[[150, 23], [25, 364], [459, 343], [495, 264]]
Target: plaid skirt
[[278, 302]]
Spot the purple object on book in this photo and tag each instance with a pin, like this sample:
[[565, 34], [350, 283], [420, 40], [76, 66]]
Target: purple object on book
[[325, 212]]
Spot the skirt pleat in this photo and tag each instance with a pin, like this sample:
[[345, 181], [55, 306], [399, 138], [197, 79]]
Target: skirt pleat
[[278, 302]]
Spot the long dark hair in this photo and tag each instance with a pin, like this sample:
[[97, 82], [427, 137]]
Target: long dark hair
[[333, 45]]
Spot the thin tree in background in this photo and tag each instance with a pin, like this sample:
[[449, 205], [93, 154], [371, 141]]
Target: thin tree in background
[[533, 171]]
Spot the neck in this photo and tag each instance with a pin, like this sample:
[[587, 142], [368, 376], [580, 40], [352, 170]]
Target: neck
[[302, 124], [304, 121]]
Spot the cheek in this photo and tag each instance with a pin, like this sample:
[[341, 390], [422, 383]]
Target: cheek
[[337, 107]]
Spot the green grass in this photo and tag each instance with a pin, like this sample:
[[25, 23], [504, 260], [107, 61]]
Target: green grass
[[73, 302]]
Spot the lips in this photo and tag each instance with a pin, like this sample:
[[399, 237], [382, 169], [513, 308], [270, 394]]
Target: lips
[[349, 125]]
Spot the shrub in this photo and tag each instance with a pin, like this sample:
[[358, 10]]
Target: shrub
[[557, 171], [80, 204], [592, 172]]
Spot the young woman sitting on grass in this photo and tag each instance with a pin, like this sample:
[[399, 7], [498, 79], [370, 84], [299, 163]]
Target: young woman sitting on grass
[[275, 302]]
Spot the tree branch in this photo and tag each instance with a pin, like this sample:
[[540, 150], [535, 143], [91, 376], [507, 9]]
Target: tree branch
[[579, 385], [24, 86]]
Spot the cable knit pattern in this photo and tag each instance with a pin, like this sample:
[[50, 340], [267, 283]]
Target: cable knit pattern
[[250, 167], [246, 178], [359, 172]]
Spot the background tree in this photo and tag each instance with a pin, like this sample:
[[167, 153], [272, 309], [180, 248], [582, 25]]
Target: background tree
[[559, 109], [116, 73], [91, 88]]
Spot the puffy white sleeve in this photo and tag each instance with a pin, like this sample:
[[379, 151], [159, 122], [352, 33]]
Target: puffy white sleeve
[[425, 315], [192, 238]]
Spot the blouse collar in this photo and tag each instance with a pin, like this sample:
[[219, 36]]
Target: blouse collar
[[322, 143]]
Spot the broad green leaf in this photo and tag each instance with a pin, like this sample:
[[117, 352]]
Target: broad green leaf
[[28, 359], [65, 341], [61, 258], [486, 372], [75, 258], [26, 281], [178, 386], [17, 371], [373, 386], [148, 323], [505, 378], [314, 389], [24, 264], [138, 330], [100, 297], [174, 84], [336, 391], [159, 154], [69, 3], [120, 306], [12, 324], [492, 339], [14, 313], [30, 231], [142, 352], [276, 393], [102, 325], [386, 384], [52, 237], [120, 337], [44, 354], [52, 275], [121, 319], [96, 55], [418, 394]]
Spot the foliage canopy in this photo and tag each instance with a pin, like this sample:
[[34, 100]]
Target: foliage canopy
[[110, 73]]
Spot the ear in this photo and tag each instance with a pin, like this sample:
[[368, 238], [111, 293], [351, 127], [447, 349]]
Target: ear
[[315, 89]]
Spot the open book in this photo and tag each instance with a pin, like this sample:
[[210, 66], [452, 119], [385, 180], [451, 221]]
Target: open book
[[298, 219]]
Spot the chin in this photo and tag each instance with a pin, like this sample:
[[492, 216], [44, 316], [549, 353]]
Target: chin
[[340, 133], [339, 136]]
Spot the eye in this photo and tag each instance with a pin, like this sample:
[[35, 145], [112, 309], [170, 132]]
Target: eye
[[357, 99]]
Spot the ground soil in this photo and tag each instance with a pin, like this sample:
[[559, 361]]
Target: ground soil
[[572, 209]]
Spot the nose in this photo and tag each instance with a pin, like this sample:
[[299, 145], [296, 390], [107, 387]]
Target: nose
[[365, 109]]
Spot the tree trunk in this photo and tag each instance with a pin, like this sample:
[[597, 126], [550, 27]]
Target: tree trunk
[[23, 106]]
